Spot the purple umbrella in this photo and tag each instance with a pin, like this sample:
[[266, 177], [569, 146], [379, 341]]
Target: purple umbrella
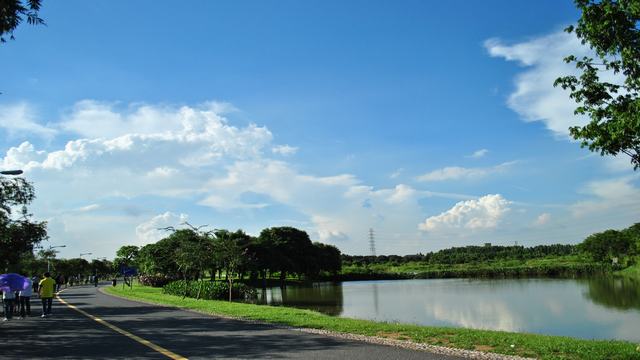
[[13, 282]]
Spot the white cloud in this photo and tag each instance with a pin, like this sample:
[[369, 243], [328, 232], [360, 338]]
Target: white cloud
[[461, 173], [396, 174], [20, 119], [542, 219], [284, 150], [91, 207], [535, 98], [193, 155], [152, 230], [483, 213], [479, 153], [618, 194], [400, 194]]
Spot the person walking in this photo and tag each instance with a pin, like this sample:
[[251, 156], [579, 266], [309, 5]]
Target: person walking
[[8, 298], [25, 300], [35, 280], [47, 286]]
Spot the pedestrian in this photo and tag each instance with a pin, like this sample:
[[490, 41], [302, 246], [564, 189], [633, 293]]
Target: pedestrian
[[25, 300], [95, 280], [35, 281], [47, 286], [8, 298]]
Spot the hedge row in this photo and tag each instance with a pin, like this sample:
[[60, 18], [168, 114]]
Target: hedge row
[[209, 290]]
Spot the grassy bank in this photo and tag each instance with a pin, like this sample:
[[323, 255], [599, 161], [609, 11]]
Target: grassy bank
[[529, 345], [560, 266], [632, 271]]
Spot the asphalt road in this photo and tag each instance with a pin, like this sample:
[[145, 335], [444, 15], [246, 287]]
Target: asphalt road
[[69, 334]]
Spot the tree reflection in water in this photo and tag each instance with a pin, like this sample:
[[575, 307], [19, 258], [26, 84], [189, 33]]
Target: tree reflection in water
[[616, 292], [324, 297]]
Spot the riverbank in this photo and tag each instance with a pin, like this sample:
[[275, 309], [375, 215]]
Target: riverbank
[[561, 266], [525, 345], [632, 272]]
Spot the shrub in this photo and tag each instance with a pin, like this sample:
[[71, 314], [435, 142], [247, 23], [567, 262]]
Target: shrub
[[209, 290], [155, 280]]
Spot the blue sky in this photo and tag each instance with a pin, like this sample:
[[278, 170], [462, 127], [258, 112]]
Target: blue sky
[[332, 116]]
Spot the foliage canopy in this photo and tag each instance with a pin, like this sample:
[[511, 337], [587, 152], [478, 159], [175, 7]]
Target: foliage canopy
[[610, 28], [13, 12]]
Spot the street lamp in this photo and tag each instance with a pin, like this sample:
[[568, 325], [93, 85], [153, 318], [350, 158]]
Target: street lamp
[[11, 172], [82, 254], [49, 260]]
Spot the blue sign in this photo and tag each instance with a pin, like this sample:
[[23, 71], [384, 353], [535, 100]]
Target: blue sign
[[127, 271]]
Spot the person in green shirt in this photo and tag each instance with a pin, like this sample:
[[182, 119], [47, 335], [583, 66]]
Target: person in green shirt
[[45, 290]]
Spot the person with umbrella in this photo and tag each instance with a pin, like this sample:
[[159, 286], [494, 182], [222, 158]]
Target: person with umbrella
[[8, 299], [9, 284]]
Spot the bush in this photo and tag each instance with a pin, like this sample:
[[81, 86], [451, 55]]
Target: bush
[[155, 280], [209, 290]]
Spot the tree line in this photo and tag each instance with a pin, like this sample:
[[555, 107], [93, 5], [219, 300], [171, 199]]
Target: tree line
[[621, 246], [192, 254], [466, 255]]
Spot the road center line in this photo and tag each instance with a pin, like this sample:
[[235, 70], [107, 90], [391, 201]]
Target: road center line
[[137, 338]]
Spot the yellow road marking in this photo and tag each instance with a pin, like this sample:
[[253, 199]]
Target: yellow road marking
[[142, 341]]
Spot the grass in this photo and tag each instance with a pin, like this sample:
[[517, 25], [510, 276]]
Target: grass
[[631, 271], [528, 345]]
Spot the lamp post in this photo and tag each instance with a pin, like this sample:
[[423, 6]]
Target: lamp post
[[82, 254], [48, 259], [11, 172]]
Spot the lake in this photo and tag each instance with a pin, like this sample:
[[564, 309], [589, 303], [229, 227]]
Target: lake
[[595, 308]]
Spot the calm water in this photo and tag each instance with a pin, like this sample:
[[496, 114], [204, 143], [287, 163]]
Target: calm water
[[603, 307]]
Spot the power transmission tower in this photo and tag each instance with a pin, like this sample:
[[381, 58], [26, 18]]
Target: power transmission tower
[[372, 242]]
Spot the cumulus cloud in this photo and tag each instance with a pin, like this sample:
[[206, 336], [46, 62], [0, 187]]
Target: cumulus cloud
[[535, 98], [181, 156], [152, 230], [483, 213], [462, 173]]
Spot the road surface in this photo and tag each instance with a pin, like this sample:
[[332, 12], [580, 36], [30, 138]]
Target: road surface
[[107, 327]]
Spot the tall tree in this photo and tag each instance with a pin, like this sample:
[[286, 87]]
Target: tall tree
[[13, 12], [18, 234], [127, 255], [610, 28], [230, 250]]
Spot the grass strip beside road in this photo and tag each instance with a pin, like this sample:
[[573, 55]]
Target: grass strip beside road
[[527, 345]]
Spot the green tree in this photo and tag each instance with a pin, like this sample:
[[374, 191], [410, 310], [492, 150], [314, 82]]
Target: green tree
[[230, 250], [610, 28], [127, 255], [608, 244], [328, 258], [18, 234], [13, 12], [291, 248]]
